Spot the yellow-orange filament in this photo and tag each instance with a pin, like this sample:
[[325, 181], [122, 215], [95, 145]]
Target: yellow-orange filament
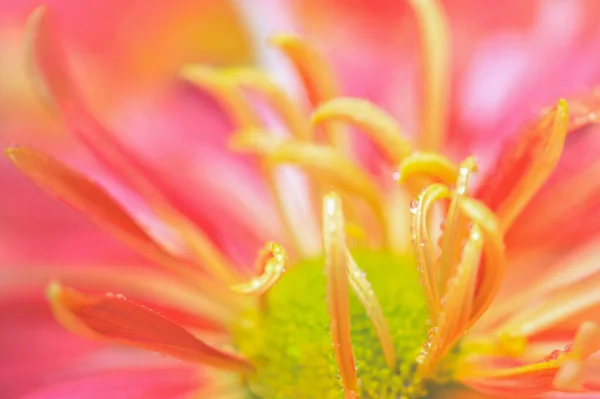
[[334, 243], [225, 92], [365, 294], [424, 247], [273, 264], [493, 253], [420, 168], [458, 309], [455, 228], [258, 81], [317, 77], [323, 164], [434, 37], [381, 127], [205, 251], [225, 87]]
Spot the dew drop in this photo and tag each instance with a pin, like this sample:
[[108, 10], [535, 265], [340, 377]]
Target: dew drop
[[432, 332], [414, 206]]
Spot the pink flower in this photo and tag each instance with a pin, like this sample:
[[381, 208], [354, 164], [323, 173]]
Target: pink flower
[[470, 309]]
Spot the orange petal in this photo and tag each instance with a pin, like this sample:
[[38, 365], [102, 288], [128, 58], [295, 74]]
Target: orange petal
[[61, 182], [115, 319], [561, 370], [507, 377], [524, 166]]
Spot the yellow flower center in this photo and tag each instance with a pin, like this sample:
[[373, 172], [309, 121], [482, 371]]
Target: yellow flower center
[[290, 342]]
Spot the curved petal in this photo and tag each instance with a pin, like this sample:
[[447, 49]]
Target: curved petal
[[115, 319], [35, 229], [84, 195], [524, 165], [128, 164], [564, 212], [115, 46], [36, 350]]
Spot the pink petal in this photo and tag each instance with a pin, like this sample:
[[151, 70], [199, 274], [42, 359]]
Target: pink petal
[[158, 383], [115, 319], [60, 181], [33, 345], [132, 168], [37, 230]]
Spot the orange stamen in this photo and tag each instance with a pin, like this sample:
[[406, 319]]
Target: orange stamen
[[324, 164], [316, 76], [334, 243], [365, 294], [381, 127], [434, 37], [455, 229], [424, 247], [274, 264], [419, 168], [277, 98]]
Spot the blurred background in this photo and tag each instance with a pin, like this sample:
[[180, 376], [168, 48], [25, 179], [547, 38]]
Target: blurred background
[[508, 59]]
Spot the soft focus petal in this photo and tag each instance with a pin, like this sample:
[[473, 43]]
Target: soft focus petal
[[157, 383], [128, 165], [84, 195], [32, 344], [565, 211], [36, 229], [115, 47], [116, 319]]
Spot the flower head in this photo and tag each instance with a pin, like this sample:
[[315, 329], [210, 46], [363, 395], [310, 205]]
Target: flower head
[[379, 286]]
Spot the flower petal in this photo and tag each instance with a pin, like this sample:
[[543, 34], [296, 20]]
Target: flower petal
[[154, 383], [116, 319], [546, 222], [61, 182], [510, 377], [524, 166], [168, 203], [32, 344]]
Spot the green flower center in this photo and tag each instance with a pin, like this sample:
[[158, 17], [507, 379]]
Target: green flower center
[[290, 343]]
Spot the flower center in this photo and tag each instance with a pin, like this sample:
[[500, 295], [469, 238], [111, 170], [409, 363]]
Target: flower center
[[290, 342]]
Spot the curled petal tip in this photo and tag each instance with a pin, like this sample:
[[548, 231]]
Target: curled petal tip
[[273, 262], [35, 18]]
